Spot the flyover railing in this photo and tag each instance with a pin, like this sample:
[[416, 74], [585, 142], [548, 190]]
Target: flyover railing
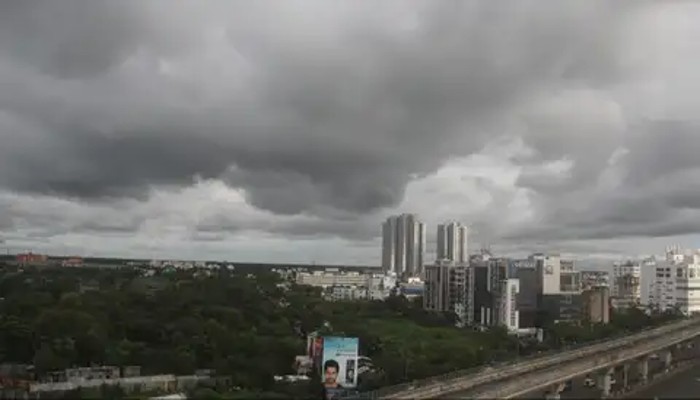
[[526, 384], [485, 373]]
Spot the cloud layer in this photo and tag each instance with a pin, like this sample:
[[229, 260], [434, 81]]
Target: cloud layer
[[306, 122]]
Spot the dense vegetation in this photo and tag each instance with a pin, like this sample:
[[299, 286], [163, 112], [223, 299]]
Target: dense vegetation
[[247, 327], [244, 326]]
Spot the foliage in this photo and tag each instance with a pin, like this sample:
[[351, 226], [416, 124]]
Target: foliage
[[247, 327]]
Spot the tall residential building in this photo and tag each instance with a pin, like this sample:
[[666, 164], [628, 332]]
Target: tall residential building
[[596, 304], [504, 288], [530, 291], [452, 242], [449, 287], [496, 291], [647, 281], [483, 298], [626, 285], [508, 313], [403, 245], [688, 284]]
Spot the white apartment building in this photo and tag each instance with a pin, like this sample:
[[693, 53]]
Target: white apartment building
[[660, 283], [403, 245], [626, 284], [325, 279], [676, 282], [651, 290], [548, 267], [379, 286], [349, 285], [509, 315], [345, 293], [688, 284], [452, 242]]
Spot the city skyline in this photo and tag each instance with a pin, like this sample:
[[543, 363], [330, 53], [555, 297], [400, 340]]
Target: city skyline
[[284, 132]]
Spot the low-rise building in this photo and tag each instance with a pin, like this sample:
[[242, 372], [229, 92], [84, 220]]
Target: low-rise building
[[26, 259], [415, 287], [89, 373], [346, 293], [138, 384], [326, 279], [73, 262], [339, 285]]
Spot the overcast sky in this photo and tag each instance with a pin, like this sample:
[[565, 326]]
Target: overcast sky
[[288, 130]]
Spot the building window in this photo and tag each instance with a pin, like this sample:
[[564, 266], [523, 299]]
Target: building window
[[691, 272], [679, 272]]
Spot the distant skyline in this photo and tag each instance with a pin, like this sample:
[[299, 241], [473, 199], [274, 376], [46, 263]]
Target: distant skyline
[[288, 131]]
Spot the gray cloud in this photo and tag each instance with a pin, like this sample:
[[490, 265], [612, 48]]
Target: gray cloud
[[93, 112], [653, 193], [324, 114]]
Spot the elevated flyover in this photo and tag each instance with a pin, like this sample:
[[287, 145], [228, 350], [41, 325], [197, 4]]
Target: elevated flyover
[[632, 359], [548, 371]]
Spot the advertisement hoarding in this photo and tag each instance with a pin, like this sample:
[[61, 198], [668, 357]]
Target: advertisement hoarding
[[526, 263], [339, 368], [314, 349]]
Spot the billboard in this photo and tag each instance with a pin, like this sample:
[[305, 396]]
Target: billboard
[[526, 263], [314, 349], [339, 368]]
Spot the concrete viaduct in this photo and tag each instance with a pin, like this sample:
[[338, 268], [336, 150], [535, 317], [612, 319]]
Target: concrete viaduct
[[627, 357]]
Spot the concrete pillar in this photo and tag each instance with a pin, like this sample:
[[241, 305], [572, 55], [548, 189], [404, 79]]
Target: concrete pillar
[[552, 396], [554, 392], [668, 358], [625, 375], [604, 382], [643, 366]]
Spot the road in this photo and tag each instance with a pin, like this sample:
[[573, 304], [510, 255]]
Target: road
[[578, 389], [684, 385]]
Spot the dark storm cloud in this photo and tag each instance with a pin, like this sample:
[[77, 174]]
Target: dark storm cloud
[[103, 99], [71, 39]]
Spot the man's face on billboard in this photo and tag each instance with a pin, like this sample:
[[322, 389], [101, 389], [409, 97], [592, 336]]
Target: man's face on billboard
[[331, 374]]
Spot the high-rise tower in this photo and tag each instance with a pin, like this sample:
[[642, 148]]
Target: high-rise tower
[[403, 245], [452, 242]]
